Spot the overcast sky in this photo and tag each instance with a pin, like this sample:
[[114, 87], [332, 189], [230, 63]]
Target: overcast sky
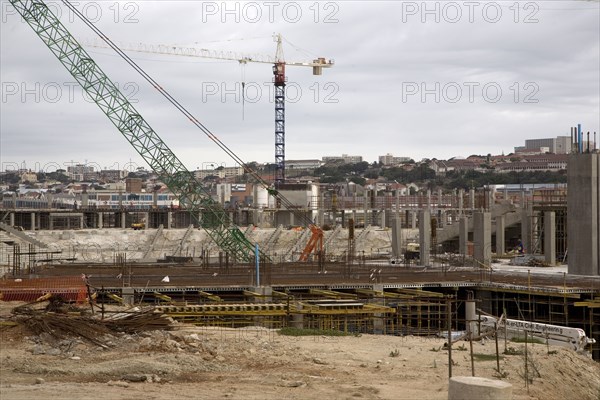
[[416, 79]]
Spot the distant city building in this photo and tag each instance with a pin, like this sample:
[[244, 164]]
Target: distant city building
[[77, 172], [557, 145], [220, 172], [133, 185], [345, 158], [113, 175], [390, 159], [302, 164]]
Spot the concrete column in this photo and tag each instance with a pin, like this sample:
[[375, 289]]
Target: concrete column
[[382, 219], [169, 219], [505, 197], [463, 235], [366, 208], [439, 198], [413, 219], [472, 199], [155, 199], [100, 221], [550, 237], [583, 203], [146, 220], [32, 221], [397, 203], [461, 197], [49, 199], [50, 222], [354, 216], [441, 218], [123, 220], [82, 221], [482, 237], [500, 239], [428, 200], [292, 222], [378, 325], [11, 219], [128, 294], [425, 236], [14, 200], [396, 237], [85, 200], [526, 230]]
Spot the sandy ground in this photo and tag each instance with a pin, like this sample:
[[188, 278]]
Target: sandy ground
[[256, 363]]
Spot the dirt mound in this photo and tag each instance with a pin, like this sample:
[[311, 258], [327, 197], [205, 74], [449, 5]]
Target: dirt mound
[[257, 363]]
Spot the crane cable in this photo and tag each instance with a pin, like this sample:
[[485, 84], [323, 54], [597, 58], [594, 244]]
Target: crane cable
[[187, 113]]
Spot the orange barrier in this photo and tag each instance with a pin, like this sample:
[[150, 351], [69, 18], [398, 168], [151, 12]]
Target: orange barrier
[[71, 288]]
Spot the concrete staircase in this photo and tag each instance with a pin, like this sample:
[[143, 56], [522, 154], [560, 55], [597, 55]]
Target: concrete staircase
[[23, 236]]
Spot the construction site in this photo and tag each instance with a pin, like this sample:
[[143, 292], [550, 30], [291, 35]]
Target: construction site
[[210, 292]]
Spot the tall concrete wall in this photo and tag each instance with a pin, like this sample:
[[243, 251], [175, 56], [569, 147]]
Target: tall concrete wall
[[583, 206]]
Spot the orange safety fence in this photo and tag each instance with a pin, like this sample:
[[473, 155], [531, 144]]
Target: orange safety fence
[[71, 288]]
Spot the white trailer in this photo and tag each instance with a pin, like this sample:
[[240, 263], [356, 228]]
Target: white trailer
[[574, 338]]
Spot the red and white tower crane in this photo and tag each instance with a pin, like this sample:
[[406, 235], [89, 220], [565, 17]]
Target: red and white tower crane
[[279, 80]]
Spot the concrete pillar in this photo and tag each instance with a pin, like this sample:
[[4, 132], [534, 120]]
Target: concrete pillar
[[292, 222], [100, 221], [82, 221], [378, 325], [526, 230], [583, 205], [146, 220], [11, 219], [413, 219], [354, 216], [463, 235], [123, 219], [425, 236], [255, 219], [366, 208], [382, 219], [32, 227], [439, 199], [85, 200], [397, 203], [472, 199], [50, 222], [550, 237], [396, 237], [169, 219], [482, 237], [49, 199], [155, 199], [128, 294], [471, 317], [441, 218], [428, 200], [461, 197], [14, 200], [505, 197], [500, 238]]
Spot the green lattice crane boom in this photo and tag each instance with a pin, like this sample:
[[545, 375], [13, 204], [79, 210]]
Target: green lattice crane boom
[[192, 195]]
